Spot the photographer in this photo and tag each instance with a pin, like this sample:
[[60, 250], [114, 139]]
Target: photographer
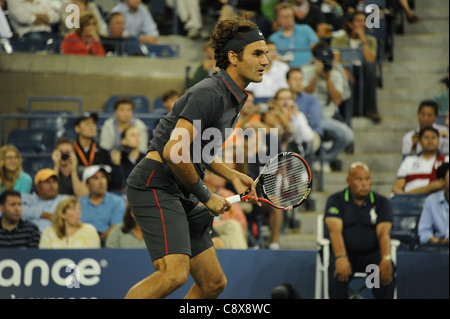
[[65, 163], [129, 153], [323, 79]]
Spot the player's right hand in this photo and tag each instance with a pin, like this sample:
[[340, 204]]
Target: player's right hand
[[218, 205]]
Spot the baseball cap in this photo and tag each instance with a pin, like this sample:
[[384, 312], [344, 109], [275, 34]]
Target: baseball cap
[[85, 116], [90, 171], [325, 54], [43, 174]]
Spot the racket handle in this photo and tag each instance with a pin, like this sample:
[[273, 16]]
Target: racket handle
[[234, 199]]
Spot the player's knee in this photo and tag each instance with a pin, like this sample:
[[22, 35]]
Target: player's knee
[[176, 280], [216, 285]]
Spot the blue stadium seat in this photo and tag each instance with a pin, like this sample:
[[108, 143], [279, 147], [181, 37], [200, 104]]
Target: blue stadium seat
[[158, 106], [406, 210], [33, 140], [141, 103], [161, 50], [33, 163]]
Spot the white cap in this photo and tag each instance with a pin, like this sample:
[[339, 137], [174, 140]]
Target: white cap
[[90, 171]]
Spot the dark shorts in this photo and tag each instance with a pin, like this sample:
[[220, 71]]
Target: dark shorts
[[171, 222]]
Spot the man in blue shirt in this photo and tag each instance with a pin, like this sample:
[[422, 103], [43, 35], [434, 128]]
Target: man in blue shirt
[[138, 20], [100, 208], [433, 224], [294, 41]]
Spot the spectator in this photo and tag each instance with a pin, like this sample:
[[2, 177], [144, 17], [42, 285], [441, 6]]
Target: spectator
[[207, 67], [116, 41], [230, 228], [15, 232], [322, 79], [32, 20], [308, 104], [66, 164], [138, 20], [433, 223], [355, 37], [274, 75], [12, 175], [417, 173], [100, 208], [311, 14], [359, 221], [85, 40], [83, 6], [302, 132], [128, 155], [442, 99], [38, 207], [427, 114], [294, 41], [67, 230], [127, 234], [169, 98], [110, 134], [191, 17], [89, 153]]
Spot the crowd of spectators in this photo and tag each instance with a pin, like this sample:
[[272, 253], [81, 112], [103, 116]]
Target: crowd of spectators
[[303, 95]]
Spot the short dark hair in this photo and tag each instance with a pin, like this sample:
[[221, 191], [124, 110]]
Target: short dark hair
[[6, 193], [123, 100], [294, 69], [428, 128], [429, 103]]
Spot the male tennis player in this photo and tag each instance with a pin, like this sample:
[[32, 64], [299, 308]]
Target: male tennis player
[[165, 188]]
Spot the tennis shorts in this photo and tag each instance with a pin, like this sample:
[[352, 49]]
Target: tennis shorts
[[171, 221]]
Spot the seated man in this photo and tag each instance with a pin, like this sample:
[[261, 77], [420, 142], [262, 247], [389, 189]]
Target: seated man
[[138, 20], [433, 223], [323, 79], [426, 115], [39, 206], [359, 222], [356, 37], [100, 208], [15, 232], [116, 41], [417, 173]]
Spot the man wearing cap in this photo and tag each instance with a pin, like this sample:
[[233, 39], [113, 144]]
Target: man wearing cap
[[38, 207], [100, 208], [322, 79], [164, 192], [87, 150]]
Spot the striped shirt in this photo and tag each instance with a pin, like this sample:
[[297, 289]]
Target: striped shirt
[[25, 235]]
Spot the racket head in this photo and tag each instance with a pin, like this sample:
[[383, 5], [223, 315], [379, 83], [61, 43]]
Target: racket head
[[286, 181]]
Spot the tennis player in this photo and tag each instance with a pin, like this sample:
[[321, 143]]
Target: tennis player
[[165, 188]]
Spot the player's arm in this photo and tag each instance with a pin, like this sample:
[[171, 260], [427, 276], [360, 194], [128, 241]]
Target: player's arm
[[177, 154], [241, 182]]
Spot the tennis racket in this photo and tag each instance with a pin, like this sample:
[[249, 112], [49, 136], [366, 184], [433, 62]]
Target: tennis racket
[[285, 182]]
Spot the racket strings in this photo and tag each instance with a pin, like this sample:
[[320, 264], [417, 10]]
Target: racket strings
[[286, 181]]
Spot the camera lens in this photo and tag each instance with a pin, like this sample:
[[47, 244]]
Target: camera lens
[[65, 156]]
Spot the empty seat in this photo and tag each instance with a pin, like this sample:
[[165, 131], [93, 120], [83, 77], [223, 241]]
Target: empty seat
[[33, 140]]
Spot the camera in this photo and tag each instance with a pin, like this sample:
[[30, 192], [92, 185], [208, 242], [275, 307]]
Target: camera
[[65, 156], [326, 56]]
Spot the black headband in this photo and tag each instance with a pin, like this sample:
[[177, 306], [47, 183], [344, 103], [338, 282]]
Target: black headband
[[242, 40]]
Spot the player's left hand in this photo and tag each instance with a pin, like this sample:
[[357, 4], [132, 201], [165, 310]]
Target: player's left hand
[[242, 183]]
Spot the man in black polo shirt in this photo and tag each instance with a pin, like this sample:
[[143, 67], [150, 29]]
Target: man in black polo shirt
[[359, 222], [165, 188], [15, 232]]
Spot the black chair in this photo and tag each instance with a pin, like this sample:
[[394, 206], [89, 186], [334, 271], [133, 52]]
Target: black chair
[[33, 141], [406, 211]]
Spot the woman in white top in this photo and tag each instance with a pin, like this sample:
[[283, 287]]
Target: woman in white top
[[67, 231]]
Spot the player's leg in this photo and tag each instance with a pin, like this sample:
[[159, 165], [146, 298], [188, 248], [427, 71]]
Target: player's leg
[[209, 279], [172, 272]]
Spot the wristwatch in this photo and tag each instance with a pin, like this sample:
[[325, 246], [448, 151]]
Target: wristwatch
[[387, 257]]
